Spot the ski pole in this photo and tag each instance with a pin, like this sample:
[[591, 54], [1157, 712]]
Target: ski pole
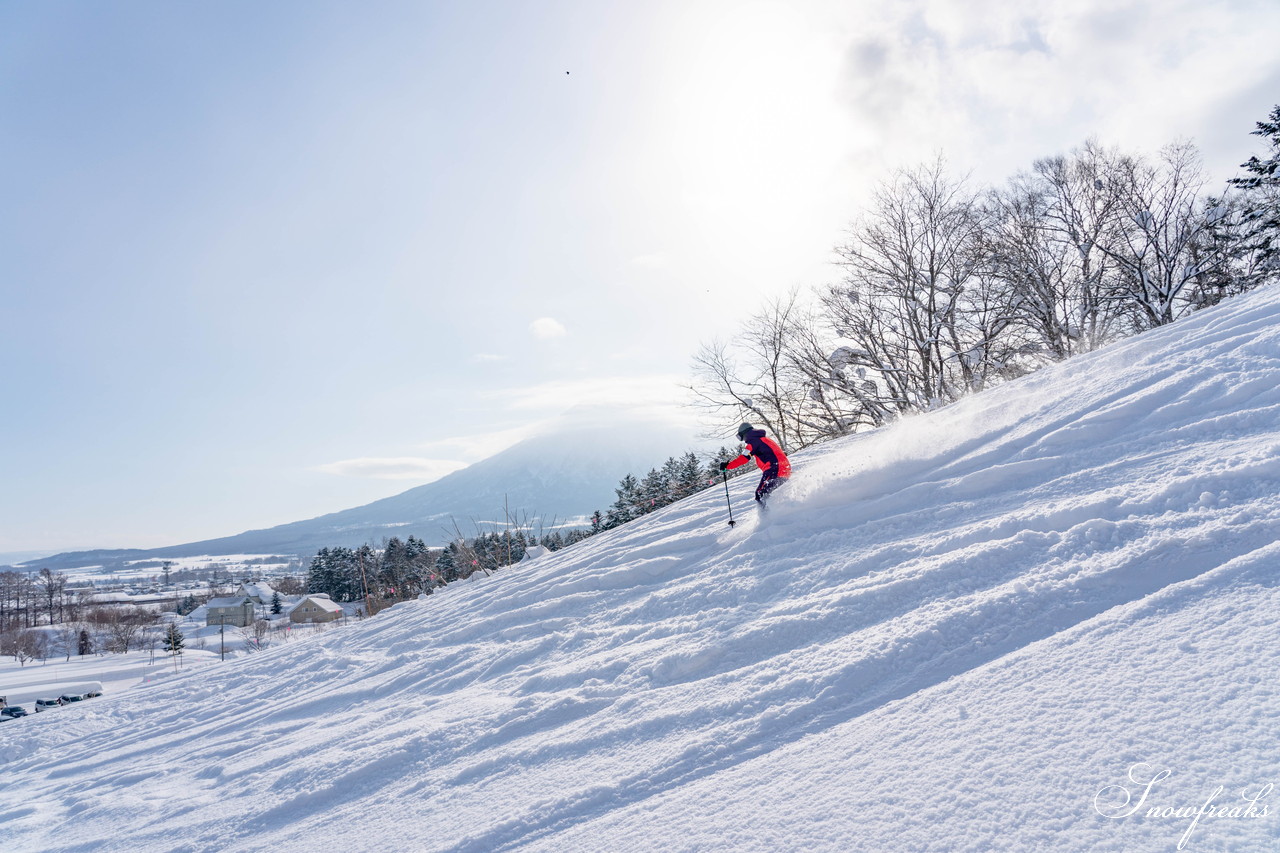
[[725, 474]]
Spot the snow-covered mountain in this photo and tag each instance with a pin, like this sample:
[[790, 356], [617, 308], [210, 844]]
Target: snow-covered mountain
[[562, 473], [1041, 619]]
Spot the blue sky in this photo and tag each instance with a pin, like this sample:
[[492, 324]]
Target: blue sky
[[262, 261]]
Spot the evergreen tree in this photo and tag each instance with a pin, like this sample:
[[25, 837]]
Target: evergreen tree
[[347, 575], [320, 572], [420, 566], [671, 480], [484, 553], [84, 645], [726, 454], [394, 568], [627, 506], [519, 545], [365, 564], [414, 548], [1262, 195], [173, 641], [277, 606], [690, 477], [447, 563], [652, 492], [335, 572]]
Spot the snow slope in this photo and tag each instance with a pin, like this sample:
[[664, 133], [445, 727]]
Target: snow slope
[[976, 630]]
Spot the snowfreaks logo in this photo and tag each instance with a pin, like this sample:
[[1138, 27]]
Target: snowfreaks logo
[[1120, 801]]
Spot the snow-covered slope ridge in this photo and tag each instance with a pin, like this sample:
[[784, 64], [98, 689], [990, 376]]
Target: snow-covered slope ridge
[[959, 633]]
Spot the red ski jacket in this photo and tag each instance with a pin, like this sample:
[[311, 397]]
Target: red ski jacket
[[767, 453]]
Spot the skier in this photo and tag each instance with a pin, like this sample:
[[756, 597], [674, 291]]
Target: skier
[[773, 462]]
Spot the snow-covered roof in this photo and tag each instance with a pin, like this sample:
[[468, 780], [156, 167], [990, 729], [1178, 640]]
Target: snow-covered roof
[[535, 552], [230, 601], [260, 589], [319, 600], [109, 598]]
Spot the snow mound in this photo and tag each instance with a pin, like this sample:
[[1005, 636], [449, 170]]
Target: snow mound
[[978, 629]]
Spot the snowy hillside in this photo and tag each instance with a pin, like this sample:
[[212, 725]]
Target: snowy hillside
[[972, 631]]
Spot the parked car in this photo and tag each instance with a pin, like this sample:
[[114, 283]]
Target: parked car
[[46, 704], [68, 698], [13, 711], [93, 693]]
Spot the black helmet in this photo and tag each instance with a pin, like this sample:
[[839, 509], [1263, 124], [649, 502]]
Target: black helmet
[[743, 430]]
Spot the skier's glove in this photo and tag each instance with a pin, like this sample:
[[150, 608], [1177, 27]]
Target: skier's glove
[[724, 466]]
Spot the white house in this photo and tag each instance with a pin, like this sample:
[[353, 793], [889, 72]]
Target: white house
[[316, 607]]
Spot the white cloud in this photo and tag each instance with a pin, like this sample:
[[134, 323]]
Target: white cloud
[[479, 445], [657, 392], [545, 328], [394, 468], [656, 398], [995, 84]]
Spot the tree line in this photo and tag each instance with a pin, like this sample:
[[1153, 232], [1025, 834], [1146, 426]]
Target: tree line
[[404, 569], [674, 480], [946, 288], [26, 599]]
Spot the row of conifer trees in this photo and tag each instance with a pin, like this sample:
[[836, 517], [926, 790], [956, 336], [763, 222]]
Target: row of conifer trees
[[405, 568]]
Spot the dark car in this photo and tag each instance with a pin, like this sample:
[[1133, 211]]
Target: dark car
[[13, 711]]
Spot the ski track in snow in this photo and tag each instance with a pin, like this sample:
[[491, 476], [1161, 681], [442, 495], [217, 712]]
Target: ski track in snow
[[943, 635]]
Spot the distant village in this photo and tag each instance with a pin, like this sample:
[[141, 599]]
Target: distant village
[[235, 605]]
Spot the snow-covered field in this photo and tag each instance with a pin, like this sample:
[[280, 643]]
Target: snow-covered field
[[146, 572], [1042, 619], [23, 685]]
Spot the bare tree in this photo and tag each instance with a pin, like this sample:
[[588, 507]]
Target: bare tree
[[1071, 207], [907, 267], [254, 633], [66, 639], [147, 641], [18, 600], [755, 378], [289, 585], [841, 397], [122, 625], [943, 294], [1163, 243], [24, 644], [52, 588]]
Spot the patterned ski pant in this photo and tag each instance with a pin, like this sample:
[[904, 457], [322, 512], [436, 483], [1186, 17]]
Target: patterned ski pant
[[768, 482]]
